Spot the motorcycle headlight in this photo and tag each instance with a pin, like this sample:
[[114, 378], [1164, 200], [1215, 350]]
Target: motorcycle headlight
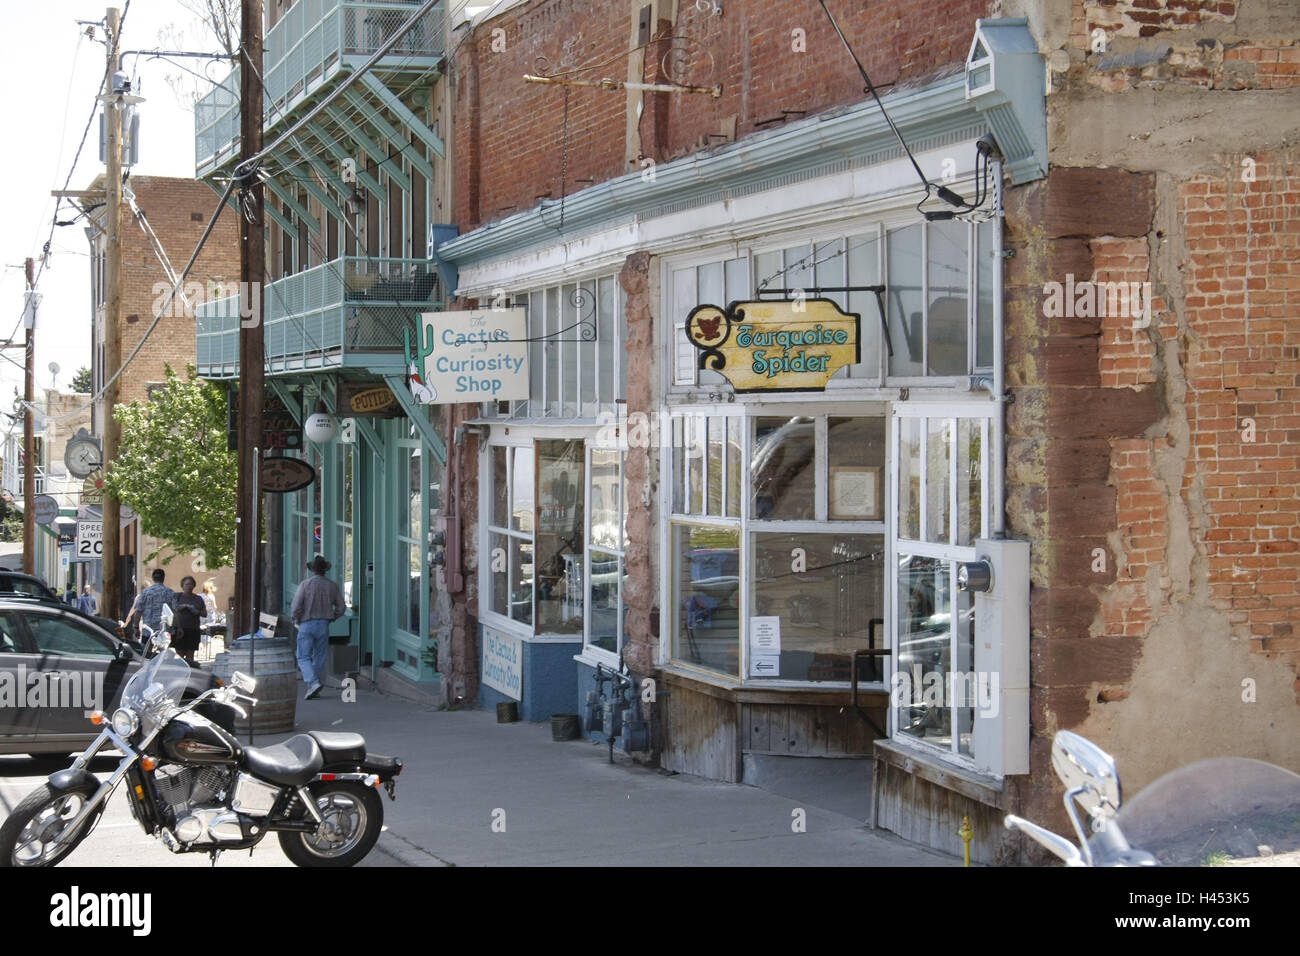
[[124, 722]]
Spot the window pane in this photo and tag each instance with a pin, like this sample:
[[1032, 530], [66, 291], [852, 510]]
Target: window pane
[[684, 299], [828, 270], [707, 595], [606, 608], [347, 485], [679, 465], [903, 249], [606, 340], [783, 469], [766, 267], [521, 579], [864, 269], [569, 349], [413, 567], [712, 289], [737, 279], [415, 497], [54, 635], [347, 566], [536, 355], [798, 268], [735, 484], [559, 536], [948, 292], [553, 324], [909, 478], [937, 455], [984, 303], [695, 452], [856, 468], [968, 481], [924, 648], [500, 572], [829, 593], [716, 428], [521, 518], [404, 492], [605, 499], [965, 692], [500, 488]]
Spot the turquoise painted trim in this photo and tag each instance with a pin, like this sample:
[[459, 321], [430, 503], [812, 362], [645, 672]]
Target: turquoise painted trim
[[314, 188], [372, 116], [415, 413], [285, 222], [368, 146], [400, 109], [830, 142], [368, 432], [341, 155], [291, 201]]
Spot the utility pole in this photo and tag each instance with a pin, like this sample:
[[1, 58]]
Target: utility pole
[[111, 603], [29, 436], [252, 351]]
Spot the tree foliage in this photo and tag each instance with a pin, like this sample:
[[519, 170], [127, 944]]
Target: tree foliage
[[81, 380], [174, 469]]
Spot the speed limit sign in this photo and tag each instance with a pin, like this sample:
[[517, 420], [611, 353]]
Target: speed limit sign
[[90, 540]]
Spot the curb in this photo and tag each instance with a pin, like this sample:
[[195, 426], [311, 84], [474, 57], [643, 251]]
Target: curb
[[406, 853]]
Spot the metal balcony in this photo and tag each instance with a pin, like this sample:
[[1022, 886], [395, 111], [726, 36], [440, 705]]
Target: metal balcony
[[336, 314], [316, 44]]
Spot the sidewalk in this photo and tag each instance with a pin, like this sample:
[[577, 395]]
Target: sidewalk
[[563, 804]]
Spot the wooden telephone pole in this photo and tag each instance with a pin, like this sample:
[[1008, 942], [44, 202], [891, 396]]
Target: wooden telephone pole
[[252, 351], [111, 602], [29, 436]]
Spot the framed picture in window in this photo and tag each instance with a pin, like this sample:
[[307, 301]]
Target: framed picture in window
[[855, 494]]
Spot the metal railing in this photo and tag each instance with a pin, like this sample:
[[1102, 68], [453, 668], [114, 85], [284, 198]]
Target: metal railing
[[350, 304], [306, 48]]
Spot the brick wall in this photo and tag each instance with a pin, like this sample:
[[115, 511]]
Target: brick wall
[[178, 210], [1152, 459], [776, 60]]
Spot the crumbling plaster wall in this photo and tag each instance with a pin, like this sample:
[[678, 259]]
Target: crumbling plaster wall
[[1166, 579]]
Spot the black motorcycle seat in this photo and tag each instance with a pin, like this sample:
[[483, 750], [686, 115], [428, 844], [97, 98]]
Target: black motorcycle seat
[[290, 764], [339, 747]]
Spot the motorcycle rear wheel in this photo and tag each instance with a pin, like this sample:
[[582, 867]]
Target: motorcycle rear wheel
[[26, 838], [353, 814]]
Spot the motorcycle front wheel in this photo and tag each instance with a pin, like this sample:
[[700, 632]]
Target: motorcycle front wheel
[[27, 836], [353, 816]]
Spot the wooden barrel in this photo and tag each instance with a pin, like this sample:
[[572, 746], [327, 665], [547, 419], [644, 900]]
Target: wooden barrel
[[276, 669]]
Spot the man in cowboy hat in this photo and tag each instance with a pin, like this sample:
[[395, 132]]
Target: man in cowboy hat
[[316, 603]]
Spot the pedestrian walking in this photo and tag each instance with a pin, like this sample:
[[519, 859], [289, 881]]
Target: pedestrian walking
[[149, 603], [87, 604], [190, 610], [316, 603]]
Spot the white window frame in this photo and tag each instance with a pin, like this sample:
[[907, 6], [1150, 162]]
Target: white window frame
[[949, 551], [589, 650]]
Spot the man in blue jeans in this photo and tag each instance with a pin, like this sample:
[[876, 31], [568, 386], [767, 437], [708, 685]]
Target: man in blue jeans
[[316, 603]]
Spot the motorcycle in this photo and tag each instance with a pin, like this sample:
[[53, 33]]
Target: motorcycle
[[195, 788], [1225, 811]]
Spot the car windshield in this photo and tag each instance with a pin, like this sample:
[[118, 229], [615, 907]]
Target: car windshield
[[1229, 811]]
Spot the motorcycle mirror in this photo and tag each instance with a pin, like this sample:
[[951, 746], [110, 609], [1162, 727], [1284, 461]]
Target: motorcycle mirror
[[243, 682], [167, 616], [160, 641], [1085, 767], [123, 652], [1060, 846]]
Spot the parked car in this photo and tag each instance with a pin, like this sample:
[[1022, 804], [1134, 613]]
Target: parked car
[[56, 666], [16, 582]]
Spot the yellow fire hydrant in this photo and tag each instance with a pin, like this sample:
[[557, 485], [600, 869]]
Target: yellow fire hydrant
[[967, 834]]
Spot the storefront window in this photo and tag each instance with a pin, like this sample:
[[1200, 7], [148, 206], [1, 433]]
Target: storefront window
[[510, 538], [707, 597], [783, 469], [343, 462], [824, 597], [817, 589], [605, 568], [941, 467], [410, 538], [560, 494]]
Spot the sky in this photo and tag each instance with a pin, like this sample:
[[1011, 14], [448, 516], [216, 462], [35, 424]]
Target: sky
[[53, 73]]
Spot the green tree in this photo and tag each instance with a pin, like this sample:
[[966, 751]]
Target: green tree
[[173, 467], [81, 381]]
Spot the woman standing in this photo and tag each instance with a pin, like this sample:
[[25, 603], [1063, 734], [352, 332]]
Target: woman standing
[[190, 609], [210, 602]]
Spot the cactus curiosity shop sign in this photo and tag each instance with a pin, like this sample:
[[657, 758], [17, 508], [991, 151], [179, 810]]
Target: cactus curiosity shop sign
[[783, 345], [470, 356]]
